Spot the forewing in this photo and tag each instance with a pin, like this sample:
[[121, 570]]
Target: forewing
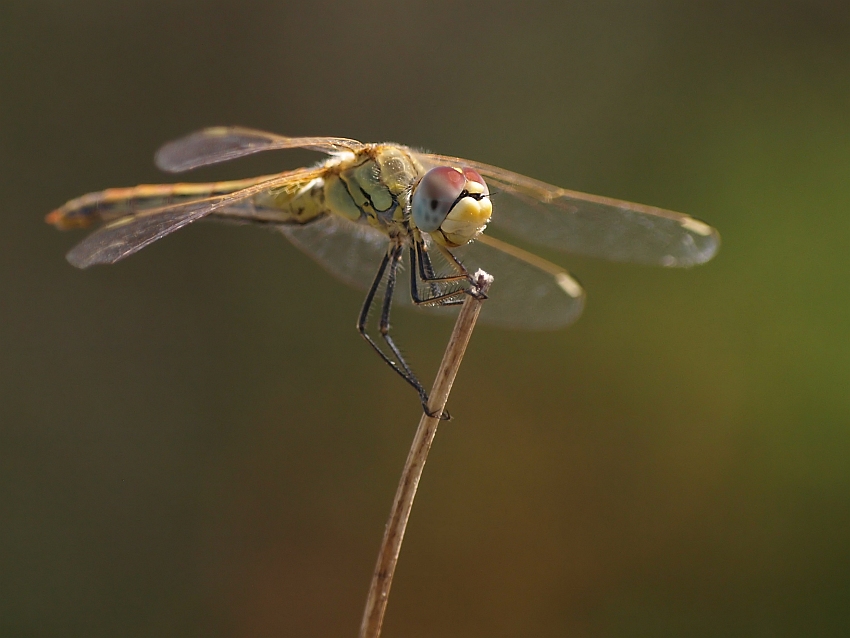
[[589, 224], [223, 143], [129, 234]]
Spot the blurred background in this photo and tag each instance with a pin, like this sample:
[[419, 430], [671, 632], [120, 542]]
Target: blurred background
[[195, 442]]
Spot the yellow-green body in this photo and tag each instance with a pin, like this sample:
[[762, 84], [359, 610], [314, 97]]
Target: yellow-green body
[[371, 186]]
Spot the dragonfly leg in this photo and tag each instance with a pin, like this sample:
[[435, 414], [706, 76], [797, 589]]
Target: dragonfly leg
[[398, 364], [384, 327], [423, 272], [474, 290], [426, 269]]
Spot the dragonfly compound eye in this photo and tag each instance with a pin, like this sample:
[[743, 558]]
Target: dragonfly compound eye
[[435, 195], [452, 204]]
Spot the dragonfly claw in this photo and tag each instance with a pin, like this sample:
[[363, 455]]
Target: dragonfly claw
[[443, 416]]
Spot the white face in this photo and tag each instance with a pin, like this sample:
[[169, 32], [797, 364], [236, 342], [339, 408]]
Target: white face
[[452, 205]]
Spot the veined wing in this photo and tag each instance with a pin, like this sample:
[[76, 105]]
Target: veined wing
[[589, 224], [126, 235], [348, 250], [528, 292], [112, 203], [222, 143]]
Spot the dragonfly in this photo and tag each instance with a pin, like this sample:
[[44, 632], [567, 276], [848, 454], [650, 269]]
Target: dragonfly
[[369, 211]]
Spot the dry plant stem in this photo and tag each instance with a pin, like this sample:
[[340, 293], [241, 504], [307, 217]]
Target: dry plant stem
[[379, 590]]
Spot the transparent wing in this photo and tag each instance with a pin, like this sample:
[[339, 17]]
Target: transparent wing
[[588, 224], [528, 293], [350, 251], [223, 143], [126, 235]]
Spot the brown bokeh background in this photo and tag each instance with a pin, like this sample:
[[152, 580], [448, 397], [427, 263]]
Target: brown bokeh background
[[195, 442]]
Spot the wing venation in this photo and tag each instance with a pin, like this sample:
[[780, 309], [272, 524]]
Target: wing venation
[[129, 234], [590, 224], [222, 143]]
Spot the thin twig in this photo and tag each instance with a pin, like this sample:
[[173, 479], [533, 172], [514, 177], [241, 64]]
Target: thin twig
[[379, 590]]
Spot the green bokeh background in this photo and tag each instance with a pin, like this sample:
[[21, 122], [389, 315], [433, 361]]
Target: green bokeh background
[[195, 442]]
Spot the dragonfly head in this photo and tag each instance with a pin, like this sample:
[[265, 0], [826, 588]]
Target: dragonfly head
[[452, 205]]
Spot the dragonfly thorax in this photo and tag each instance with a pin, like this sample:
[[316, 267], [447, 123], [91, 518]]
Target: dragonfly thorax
[[372, 186]]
